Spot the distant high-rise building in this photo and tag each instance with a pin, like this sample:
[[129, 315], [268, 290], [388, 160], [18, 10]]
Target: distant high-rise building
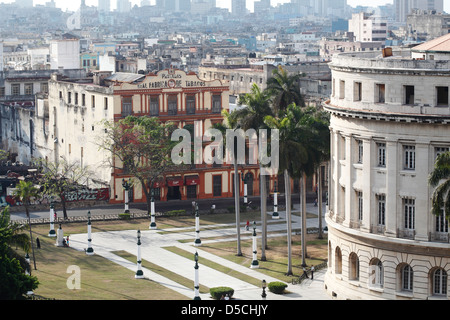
[[123, 6], [261, 5], [104, 5], [404, 7], [367, 27], [145, 3], [24, 3], [323, 8], [238, 7]]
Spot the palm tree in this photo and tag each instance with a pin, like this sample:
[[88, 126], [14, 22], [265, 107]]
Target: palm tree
[[285, 89], [256, 106], [300, 146], [440, 179], [25, 191], [230, 123], [18, 238]]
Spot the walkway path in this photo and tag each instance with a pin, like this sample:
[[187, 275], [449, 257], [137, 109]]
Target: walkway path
[[105, 243]]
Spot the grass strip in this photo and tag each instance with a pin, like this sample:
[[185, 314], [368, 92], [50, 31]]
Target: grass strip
[[188, 283], [217, 266]]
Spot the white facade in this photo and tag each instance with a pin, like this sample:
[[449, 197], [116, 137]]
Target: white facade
[[65, 54], [74, 115], [367, 28], [389, 119]]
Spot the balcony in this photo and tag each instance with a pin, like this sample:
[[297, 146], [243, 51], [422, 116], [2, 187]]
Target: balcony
[[439, 237], [406, 233]]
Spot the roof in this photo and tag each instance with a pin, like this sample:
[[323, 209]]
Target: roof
[[439, 44], [125, 77]]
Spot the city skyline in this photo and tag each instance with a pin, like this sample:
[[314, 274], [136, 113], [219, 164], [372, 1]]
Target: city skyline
[[74, 5]]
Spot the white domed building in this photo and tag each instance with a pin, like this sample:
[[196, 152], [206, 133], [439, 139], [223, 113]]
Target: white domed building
[[390, 118]]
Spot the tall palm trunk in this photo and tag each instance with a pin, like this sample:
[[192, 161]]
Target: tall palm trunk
[[319, 200], [236, 205], [263, 193], [303, 195], [31, 236], [287, 188]]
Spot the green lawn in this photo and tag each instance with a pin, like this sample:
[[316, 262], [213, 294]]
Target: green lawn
[[105, 280]]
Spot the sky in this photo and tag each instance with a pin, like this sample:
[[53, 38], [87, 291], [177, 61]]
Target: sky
[[73, 5]]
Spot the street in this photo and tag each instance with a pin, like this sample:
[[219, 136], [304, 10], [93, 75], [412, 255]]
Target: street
[[160, 206]]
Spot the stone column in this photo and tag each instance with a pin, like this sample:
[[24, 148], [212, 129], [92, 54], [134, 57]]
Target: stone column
[[347, 176], [52, 232], [391, 187], [139, 273]]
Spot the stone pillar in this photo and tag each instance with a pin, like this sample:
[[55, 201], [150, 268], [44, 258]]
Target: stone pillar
[[196, 279], [60, 237], [367, 184], [52, 232], [255, 263], [139, 273], [391, 188], [152, 213], [197, 241]]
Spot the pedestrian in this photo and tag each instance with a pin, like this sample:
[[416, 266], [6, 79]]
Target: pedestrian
[[312, 272], [55, 215], [247, 226], [38, 243], [315, 202], [222, 298], [305, 273], [67, 240], [227, 297]]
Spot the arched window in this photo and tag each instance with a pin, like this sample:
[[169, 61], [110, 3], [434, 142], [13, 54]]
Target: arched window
[[338, 260], [376, 274], [440, 282], [407, 278], [354, 267]]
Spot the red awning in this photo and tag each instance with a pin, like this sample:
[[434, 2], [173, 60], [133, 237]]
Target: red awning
[[174, 181], [192, 180]]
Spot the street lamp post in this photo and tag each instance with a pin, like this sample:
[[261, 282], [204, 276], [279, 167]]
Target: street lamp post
[[152, 212], [126, 185], [89, 250], [196, 282], [264, 295], [275, 214], [255, 263], [197, 241], [139, 273], [52, 232]]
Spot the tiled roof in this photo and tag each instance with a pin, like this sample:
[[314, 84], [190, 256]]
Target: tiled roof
[[439, 44], [125, 77]]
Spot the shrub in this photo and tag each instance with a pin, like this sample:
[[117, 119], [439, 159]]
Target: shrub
[[124, 216], [176, 212], [277, 287], [217, 292]]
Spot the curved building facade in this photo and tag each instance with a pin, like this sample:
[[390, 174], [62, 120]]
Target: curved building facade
[[390, 118]]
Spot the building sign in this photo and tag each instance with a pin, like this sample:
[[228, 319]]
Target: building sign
[[169, 79], [84, 195]]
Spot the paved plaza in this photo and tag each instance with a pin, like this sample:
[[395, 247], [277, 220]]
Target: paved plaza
[[153, 250]]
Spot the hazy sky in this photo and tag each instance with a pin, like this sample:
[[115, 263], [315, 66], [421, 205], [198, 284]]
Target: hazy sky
[[73, 5]]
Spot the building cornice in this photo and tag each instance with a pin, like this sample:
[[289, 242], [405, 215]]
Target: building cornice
[[383, 116]]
